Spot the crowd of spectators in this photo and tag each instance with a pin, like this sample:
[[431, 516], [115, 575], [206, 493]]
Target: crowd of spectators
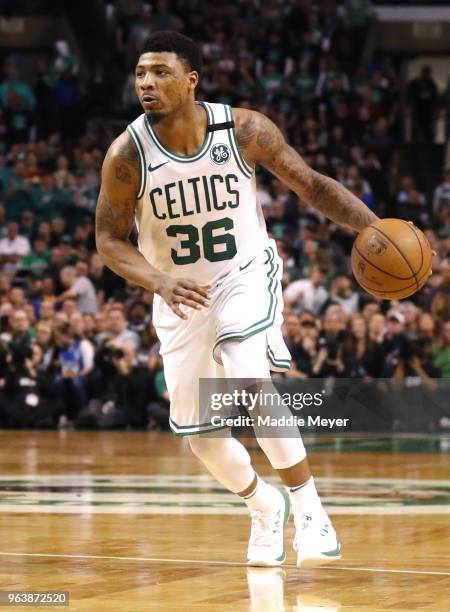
[[77, 345]]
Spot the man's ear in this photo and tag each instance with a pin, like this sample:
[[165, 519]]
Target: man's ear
[[193, 79]]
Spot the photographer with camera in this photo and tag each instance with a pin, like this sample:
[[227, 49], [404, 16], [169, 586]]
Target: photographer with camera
[[329, 360], [26, 400], [411, 363], [121, 392], [301, 333]]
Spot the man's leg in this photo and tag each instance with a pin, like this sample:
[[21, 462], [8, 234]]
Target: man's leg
[[229, 462], [247, 359]]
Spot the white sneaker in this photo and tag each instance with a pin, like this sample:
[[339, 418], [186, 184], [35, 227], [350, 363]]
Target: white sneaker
[[316, 542], [266, 544]]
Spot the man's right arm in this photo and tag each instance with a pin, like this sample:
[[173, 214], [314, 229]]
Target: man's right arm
[[114, 221], [115, 215]]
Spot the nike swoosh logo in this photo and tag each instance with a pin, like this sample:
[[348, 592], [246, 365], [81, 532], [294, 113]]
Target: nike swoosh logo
[[153, 168], [246, 265]]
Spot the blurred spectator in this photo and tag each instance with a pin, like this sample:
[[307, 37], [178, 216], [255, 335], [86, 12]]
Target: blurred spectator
[[422, 94], [26, 399], [357, 14], [21, 332], [306, 72], [69, 384], [411, 204], [117, 329], [329, 361], [301, 334], [80, 288], [440, 296], [18, 102], [308, 293], [12, 248], [441, 353], [38, 259], [125, 389], [412, 363], [342, 293], [442, 192]]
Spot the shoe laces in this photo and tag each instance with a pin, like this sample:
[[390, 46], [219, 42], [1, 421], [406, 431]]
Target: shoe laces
[[264, 527]]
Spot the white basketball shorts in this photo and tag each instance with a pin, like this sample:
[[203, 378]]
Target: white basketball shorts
[[247, 301]]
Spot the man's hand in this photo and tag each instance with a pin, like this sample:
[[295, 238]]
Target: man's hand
[[69, 374], [176, 291]]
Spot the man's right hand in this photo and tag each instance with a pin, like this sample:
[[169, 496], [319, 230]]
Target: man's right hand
[[176, 291]]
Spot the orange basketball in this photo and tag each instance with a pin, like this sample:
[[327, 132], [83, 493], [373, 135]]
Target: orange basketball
[[391, 259]]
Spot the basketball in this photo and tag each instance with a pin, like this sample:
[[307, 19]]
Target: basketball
[[391, 259]]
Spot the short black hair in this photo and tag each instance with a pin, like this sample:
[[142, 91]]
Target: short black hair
[[170, 41]]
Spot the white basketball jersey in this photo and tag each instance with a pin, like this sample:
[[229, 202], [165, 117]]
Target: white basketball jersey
[[197, 215]]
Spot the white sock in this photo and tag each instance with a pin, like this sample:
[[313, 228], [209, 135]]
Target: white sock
[[261, 498], [304, 498]]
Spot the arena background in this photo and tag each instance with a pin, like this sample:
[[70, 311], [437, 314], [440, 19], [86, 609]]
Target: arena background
[[97, 499], [362, 90]]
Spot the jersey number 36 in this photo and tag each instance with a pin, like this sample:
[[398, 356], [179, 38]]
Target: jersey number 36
[[210, 242]]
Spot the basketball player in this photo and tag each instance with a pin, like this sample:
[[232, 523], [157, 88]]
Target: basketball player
[[184, 171]]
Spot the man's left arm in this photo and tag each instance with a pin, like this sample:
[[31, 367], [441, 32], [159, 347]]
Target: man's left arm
[[261, 142]]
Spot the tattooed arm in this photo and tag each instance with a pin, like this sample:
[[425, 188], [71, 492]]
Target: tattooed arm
[[114, 221], [115, 215], [262, 143]]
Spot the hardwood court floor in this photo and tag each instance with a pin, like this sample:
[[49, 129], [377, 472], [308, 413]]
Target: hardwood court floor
[[130, 522]]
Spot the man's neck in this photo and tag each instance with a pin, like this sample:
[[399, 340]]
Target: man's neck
[[184, 131]]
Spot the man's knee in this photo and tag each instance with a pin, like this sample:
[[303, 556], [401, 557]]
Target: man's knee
[[203, 447]]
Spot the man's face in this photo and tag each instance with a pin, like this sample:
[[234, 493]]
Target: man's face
[[137, 314], [100, 323], [163, 83], [17, 296], [332, 323], [13, 230], [43, 334], [317, 277], [77, 323], [308, 327], [394, 326], [27, 219], [39, 246], [46, 310], [342, 285], [20, 321], [67, 278], [292, 326], [116, 322]]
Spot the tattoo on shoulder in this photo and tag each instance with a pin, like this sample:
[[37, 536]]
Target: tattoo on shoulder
[[125, 160], [123, 174], [127, 151], [247, 131], [257, 130]]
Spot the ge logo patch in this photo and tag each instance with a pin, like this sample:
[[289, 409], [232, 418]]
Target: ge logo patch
[[220, 154]]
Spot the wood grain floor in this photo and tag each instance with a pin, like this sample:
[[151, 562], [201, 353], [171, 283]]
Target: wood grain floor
[[129, 547]]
